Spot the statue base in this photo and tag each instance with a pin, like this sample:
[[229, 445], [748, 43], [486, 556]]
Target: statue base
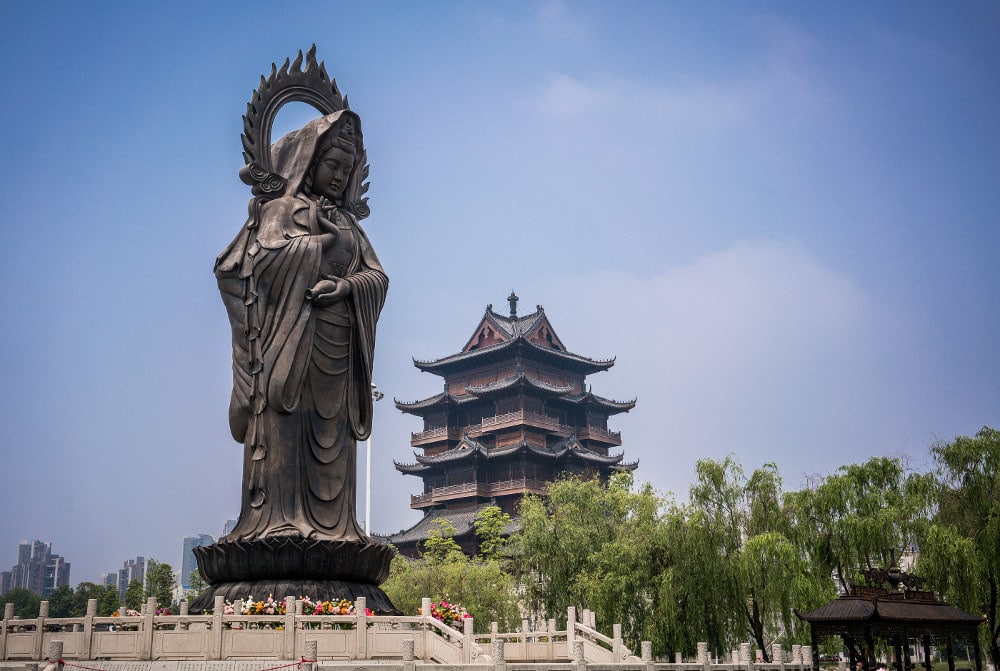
[[291, 566]]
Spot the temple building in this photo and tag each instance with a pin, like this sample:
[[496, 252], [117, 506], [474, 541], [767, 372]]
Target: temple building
[[515, 413]]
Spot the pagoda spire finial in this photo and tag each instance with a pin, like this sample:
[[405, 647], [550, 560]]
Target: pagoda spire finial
[[512, 299]]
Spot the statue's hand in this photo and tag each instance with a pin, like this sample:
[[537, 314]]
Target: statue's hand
[[326, 292]]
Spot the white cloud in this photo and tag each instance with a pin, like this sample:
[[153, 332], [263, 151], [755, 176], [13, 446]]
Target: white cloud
[[757, 350]]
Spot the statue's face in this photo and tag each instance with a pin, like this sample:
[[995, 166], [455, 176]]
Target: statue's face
[[332, 172]]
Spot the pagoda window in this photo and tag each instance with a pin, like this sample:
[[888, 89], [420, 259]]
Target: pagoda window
[[534, 405], [506, 405]]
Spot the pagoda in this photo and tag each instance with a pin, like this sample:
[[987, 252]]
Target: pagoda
[[515, 414]]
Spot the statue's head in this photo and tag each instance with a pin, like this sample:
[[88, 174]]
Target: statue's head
[[334, 160], [326, 157]]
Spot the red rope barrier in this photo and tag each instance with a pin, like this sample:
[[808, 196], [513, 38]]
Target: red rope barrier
[[63, 662], [273, 668]]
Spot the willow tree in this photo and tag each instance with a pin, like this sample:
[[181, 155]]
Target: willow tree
[[755, 568], [592, 545], [862, 516], [960, 552]]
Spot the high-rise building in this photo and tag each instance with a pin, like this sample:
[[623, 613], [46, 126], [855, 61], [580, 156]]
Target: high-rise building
[[188, 564], [37, 569], [132, 569], [228, 528]]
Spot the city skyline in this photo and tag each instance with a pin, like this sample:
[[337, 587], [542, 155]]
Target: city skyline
[[779, 219]]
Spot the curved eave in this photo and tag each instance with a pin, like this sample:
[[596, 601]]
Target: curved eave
[[500, 352], [426, 406], [584, 454], [631, 466], [607, 405], [520, 379], [410, 469], [458, 454]]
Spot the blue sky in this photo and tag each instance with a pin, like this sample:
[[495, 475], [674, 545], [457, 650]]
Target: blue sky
[[781, 218]]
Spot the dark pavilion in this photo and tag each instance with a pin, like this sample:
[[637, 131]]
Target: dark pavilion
[[515, 414]]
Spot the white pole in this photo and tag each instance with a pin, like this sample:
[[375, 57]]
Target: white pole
[[376, 396]]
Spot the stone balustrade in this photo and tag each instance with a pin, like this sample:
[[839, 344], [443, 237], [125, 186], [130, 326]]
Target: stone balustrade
[[219, 642]]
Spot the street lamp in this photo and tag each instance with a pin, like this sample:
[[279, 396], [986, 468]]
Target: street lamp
[[376, 396]]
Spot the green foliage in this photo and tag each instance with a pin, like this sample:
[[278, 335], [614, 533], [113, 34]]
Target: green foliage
[[135, 594], [863, 516], [25, 602], [197, 584], [62, 602], [109, 602], [758, 572], [481, 585], [440, 546], [490, 525], [159, 582], [960, 552]]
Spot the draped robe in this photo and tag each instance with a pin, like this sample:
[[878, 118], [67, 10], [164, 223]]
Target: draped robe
[[301, 372]]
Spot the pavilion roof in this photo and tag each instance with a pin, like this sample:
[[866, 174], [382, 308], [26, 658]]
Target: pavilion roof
[[891, 607]]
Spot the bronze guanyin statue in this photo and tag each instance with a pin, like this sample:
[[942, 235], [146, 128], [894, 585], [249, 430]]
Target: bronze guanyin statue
[[303, 290]]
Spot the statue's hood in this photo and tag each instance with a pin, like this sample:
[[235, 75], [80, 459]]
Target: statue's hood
[[292, 155]]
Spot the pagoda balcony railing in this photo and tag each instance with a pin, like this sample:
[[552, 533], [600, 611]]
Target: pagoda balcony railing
[[430, 435], [516, 418], [603, 435], [522, 417], [477, 489]]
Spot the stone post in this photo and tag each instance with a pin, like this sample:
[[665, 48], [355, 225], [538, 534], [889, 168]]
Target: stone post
[[616, 643], [468, 640], [218, 609], [807, 656], [703, 654], [797, 654], [647, 654], [30, 666], [56, 653], [841, 664], [570, 630], [185, 607], [311, 655], [745, 660], [361, 627], [777, 655], [499, 661], [8, 611], [408, 655], [425, 607], [289, 625], [579, 662], [678, 658], [88, 629], [43, 612]]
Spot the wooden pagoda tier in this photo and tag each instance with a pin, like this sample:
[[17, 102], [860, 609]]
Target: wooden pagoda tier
[[515, 413]]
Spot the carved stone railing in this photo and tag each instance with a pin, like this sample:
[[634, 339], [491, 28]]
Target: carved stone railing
[[185, 642]]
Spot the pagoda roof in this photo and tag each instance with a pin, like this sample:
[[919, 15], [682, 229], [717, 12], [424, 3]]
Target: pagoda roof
[[462, 519], [499, 337], [468, 448]]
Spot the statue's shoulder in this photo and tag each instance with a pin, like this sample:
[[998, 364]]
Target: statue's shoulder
[[283, 218], [285, 206]]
